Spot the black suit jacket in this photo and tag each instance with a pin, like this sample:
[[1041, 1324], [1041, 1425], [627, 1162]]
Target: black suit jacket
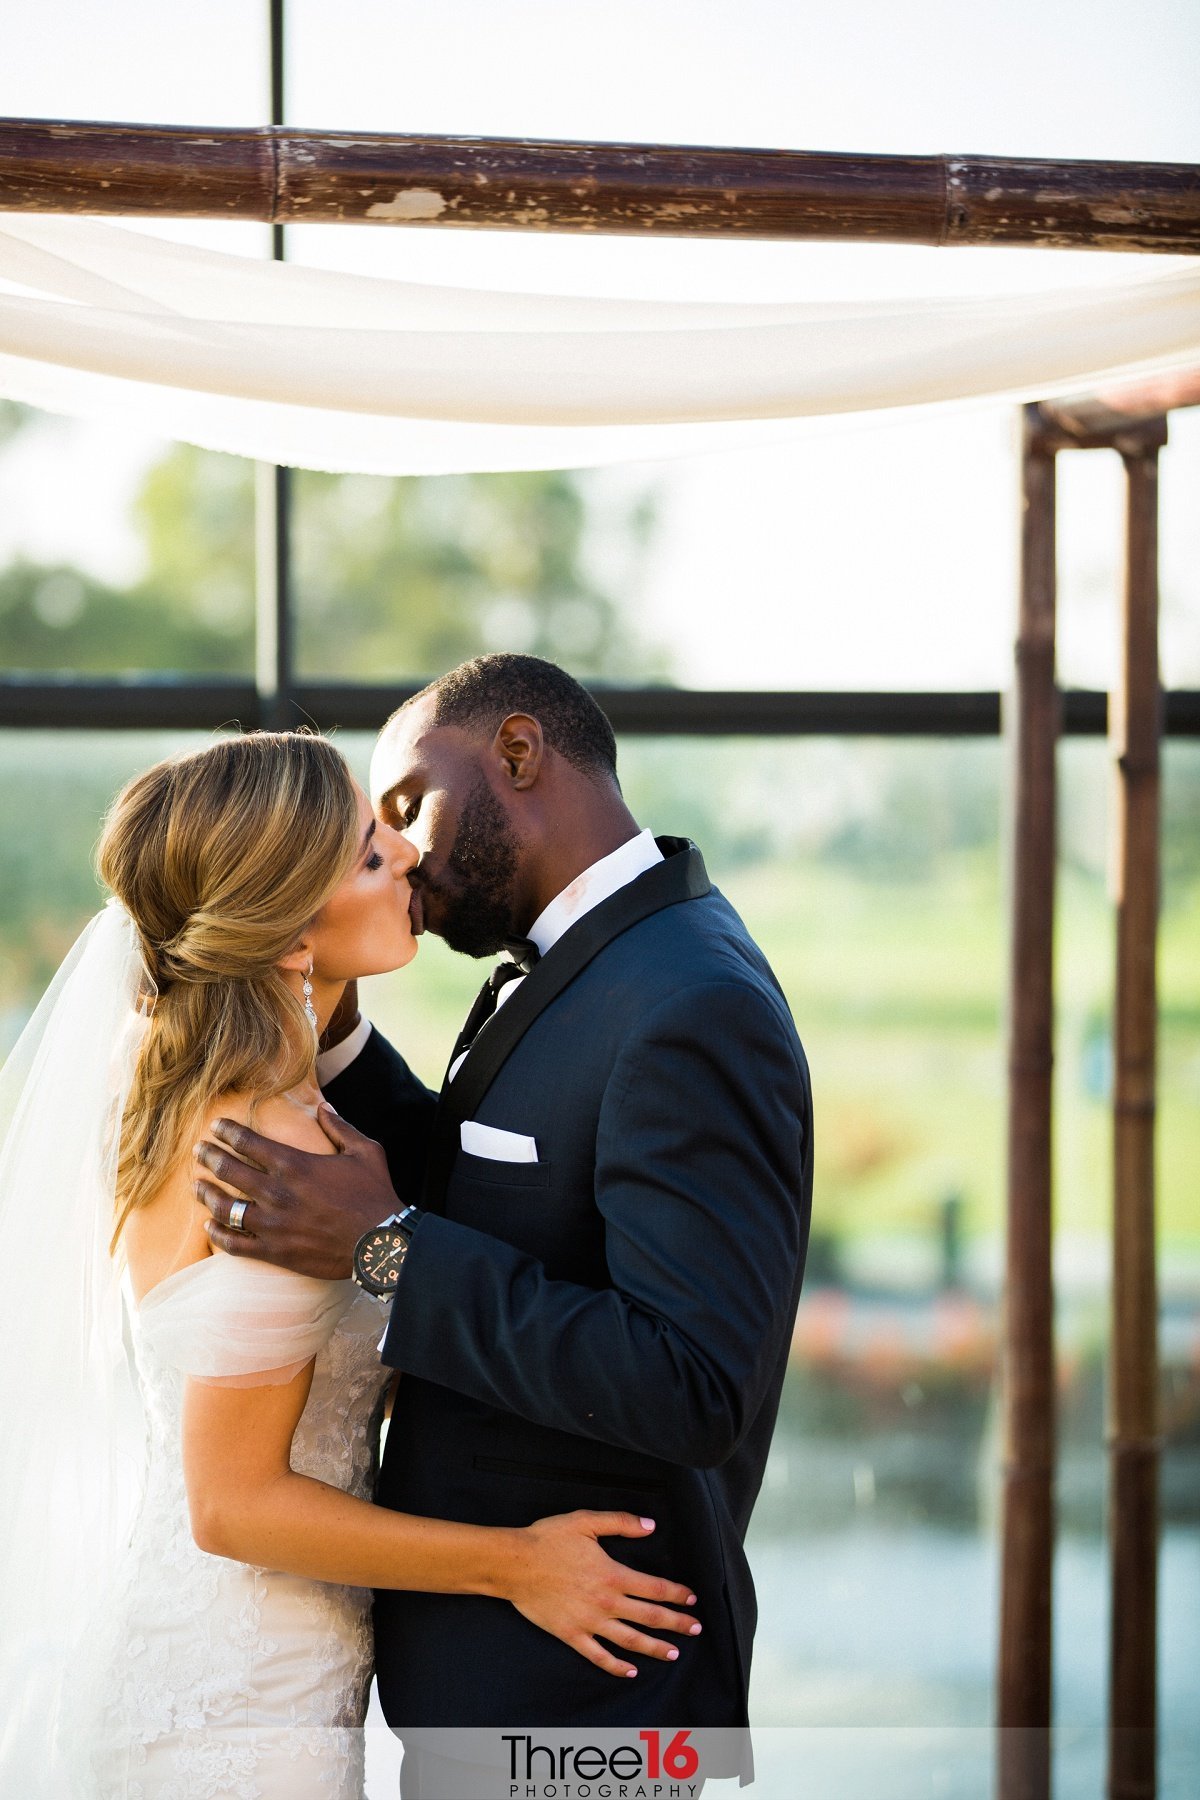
[[609, 1326]]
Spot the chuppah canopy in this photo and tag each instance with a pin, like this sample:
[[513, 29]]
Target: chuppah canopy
[[318, 369]]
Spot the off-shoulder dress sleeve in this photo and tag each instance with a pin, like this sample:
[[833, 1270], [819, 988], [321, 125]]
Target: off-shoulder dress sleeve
[[240, 1323]]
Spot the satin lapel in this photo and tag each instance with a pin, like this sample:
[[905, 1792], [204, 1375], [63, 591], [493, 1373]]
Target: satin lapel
[[681, 876]]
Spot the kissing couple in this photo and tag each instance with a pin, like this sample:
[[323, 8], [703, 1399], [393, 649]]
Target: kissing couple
[[570, 1279]]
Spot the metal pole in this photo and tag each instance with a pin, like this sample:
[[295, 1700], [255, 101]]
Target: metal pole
[[165, 702], [272, 505], [1024, 1688], [1133, 1422]]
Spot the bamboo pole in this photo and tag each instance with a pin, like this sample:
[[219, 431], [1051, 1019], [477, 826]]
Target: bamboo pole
[[1024, 1689], [284, 174], [1133, 1426]]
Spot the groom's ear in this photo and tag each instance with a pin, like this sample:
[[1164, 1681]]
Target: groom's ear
[[519, 745]]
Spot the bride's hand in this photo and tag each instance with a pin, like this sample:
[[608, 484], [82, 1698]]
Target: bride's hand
[[561, 1580]]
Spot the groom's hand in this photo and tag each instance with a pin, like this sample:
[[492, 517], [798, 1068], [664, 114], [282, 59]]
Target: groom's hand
[[305, 1212]]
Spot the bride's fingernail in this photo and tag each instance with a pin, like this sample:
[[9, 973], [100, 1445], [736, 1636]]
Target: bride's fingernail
[[631, 1672], [691, 1599], [696, 1629], [672, 1655], [647, 1524]]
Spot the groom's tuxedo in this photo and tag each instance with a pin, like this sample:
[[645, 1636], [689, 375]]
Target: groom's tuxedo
[[606, 1327]]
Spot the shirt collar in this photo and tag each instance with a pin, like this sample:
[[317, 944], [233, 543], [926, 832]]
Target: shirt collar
[[614, 871]]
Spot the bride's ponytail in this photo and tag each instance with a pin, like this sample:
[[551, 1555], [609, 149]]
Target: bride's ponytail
[[221, 858]]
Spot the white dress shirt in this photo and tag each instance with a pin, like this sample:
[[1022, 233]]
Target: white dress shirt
[[332, 1063], [603, 879]]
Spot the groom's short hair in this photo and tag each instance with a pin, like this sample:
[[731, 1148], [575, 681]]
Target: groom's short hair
[[481, 694]]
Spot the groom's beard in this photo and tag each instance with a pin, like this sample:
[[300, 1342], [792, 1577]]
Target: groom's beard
[[474, 897]]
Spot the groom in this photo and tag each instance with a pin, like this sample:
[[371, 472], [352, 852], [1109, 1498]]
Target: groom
[[597, 1300]]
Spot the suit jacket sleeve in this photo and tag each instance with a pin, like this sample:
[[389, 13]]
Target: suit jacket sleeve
[[381, 1097], [703, 1176]]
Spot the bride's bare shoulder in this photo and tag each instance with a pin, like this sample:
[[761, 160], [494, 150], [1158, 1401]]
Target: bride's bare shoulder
[[288, 1118], [167, 1232]]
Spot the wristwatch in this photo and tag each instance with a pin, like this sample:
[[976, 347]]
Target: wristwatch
[[379, 1253]]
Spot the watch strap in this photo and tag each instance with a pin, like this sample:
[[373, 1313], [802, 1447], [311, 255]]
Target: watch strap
[[404, 1220]]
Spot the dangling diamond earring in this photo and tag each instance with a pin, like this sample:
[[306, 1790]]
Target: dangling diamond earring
[[308, 1005]]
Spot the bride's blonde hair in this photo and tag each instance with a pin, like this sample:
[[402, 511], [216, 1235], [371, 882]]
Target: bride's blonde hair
[[221, 858]]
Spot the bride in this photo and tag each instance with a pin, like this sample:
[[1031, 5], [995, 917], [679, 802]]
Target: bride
[[187, 1538]]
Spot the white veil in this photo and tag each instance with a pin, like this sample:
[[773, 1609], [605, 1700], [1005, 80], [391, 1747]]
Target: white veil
[[71, 1431]]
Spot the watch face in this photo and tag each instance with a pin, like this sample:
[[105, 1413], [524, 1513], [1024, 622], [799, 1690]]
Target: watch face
[[379, 1258]]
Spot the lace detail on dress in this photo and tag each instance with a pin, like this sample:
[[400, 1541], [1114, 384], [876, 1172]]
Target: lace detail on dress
[[210, 1677]]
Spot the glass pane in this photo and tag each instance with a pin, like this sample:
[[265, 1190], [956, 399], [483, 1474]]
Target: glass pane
[[879, 556], [57, 786], [1179, 551], [882, 557], [870, 873], [1091, 560], [198, 62], [874, 553], [535, 69], [120, 552]]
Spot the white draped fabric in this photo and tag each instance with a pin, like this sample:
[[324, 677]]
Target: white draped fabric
[[352, 372]]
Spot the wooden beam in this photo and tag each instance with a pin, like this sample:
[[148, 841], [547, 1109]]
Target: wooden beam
[[1092, 425], [287, 175], [1027, 1346], [1129, 418], [1134, 1441]]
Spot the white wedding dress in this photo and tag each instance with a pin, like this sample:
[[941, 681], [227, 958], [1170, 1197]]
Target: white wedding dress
[[203, 1676], [133, 1665]]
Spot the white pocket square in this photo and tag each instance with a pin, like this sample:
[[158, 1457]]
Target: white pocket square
[[500, 1146]]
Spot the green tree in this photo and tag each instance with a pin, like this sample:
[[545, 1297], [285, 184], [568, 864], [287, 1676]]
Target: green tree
[[409, 577]]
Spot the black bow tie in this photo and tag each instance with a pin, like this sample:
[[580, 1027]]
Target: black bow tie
[[523, 952], [522, 955]]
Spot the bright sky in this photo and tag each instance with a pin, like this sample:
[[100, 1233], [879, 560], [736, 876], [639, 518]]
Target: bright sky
[[868, 552]]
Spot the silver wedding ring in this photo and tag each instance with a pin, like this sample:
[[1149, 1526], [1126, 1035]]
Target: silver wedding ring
[[237, 1213]]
